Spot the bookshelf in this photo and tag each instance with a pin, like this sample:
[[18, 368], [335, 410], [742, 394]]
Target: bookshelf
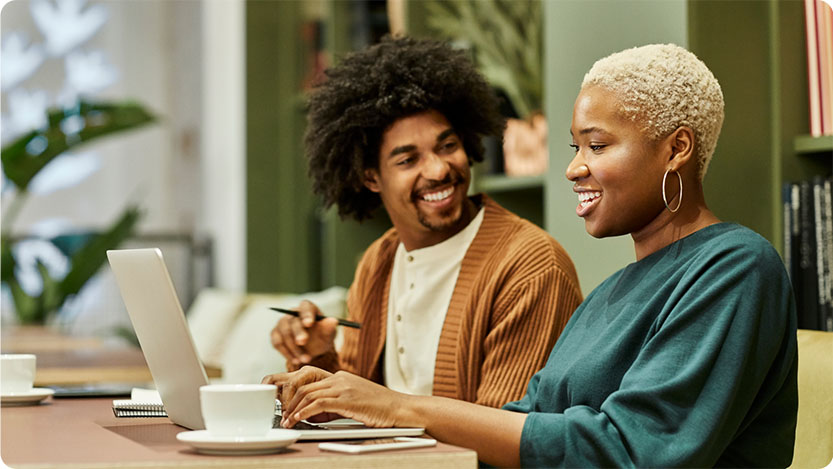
[[808, 144], [499, 183]]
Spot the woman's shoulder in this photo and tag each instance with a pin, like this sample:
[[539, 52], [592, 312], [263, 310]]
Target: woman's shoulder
[[730, 250], [734, 238]]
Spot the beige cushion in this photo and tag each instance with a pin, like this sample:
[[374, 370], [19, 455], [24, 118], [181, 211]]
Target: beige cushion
[[814, 432], [210, 318], [248, 355]]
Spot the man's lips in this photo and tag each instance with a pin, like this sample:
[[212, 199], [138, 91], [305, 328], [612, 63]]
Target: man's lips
[[437, 196], [438, 191]]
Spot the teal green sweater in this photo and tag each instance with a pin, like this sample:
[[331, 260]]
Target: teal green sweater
[[685, 358]]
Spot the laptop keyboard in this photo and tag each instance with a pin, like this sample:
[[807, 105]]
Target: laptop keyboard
[[276, 423]]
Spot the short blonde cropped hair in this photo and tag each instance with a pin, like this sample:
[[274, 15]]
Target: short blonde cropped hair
[[665, 87]]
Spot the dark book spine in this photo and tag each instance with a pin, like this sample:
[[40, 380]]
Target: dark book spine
[[827, 236], [795, 237], [818, 223], [807, 297], [786, 201]]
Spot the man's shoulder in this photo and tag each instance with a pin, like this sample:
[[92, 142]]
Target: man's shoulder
[[380, 250], [520, 245], [517, 233]]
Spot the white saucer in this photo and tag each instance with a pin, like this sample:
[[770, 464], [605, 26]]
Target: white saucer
[[26, 398], [204, 442]]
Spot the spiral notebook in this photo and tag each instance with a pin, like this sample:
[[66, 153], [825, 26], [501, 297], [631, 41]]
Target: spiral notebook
[[142, 403]]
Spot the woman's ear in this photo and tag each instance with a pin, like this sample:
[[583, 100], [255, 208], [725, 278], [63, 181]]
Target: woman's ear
[[371, 180], [681, 143]]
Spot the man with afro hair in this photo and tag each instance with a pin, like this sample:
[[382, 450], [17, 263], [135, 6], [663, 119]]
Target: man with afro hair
[[461, 298]]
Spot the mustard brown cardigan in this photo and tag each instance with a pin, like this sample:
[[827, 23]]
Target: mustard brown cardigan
[[516, 289]]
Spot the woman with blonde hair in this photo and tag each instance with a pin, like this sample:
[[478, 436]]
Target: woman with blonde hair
[[686, 357]]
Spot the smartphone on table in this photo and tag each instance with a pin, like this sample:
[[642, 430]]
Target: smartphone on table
[[377, 444]]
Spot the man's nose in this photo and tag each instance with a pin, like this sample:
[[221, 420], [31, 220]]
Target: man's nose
[[435, 168]]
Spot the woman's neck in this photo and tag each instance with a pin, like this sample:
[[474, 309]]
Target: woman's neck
[[669, 227]]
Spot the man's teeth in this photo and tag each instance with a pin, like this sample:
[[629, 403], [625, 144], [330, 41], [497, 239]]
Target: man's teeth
[[436, 196], [585, 198]]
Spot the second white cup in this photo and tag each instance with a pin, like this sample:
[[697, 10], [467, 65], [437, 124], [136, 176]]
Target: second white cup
[[238, 410], [17, 373]]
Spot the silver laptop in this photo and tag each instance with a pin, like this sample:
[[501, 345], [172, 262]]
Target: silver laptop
[[159, 322]]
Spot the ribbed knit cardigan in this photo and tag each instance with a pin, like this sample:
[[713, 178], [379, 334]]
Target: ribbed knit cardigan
[[515, 292]]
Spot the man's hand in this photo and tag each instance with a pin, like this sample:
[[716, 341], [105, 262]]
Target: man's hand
[[302, 339], [317, 395]]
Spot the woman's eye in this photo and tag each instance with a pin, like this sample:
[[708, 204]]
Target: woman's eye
[[597, 147], [574, 147]]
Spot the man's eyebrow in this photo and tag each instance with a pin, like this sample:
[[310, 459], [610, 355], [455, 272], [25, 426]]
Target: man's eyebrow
[[409, 148], [445, 134], [402, 149]]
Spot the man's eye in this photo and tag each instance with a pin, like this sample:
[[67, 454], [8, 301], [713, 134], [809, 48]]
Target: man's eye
[[405, 161], [449, 146]]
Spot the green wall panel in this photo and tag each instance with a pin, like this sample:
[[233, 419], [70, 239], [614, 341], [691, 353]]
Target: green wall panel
[[282, 231], [732, 38]]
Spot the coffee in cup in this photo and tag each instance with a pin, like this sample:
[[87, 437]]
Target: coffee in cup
[[17, 373], [238, 410]]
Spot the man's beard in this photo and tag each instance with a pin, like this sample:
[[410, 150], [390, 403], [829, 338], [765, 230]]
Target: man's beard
[[445, 221]]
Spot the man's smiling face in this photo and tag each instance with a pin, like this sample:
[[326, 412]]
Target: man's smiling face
[[423, 178]]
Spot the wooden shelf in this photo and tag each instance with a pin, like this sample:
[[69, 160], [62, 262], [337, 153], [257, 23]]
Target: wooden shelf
[[494, 183], [804, 144]]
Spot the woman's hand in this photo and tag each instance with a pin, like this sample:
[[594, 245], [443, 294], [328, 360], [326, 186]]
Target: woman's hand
[[312, 393]]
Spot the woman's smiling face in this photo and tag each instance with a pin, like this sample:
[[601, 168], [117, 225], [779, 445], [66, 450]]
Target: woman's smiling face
[[617, 171]]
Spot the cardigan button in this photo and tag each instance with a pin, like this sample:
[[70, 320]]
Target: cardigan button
[[410, 258]]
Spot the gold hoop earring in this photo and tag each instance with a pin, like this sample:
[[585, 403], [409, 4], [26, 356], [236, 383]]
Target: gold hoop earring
[[664, 198]]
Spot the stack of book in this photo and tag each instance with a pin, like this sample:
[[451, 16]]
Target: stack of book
[[819, 21], [808, 250]]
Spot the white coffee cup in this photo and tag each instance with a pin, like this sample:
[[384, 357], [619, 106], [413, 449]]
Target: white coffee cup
[[17, 373], [238, 410]]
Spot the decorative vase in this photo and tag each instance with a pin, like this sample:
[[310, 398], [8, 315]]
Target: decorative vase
[[525, 151]]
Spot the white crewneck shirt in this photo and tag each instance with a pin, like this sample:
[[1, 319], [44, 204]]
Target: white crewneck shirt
[[421, 285]]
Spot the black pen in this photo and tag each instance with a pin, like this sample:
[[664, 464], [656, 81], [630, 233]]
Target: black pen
[[319, 317]]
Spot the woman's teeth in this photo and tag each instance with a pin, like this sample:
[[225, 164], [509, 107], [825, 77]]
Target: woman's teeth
[[585, 198], [437, 196]]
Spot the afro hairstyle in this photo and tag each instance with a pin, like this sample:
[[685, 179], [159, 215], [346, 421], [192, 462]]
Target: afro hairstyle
[[368, 91]]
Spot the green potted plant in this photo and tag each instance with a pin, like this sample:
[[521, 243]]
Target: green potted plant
[[22, 160], [505, 37], [37, 135]]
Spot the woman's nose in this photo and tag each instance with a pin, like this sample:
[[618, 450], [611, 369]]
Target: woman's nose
[[577, 168]]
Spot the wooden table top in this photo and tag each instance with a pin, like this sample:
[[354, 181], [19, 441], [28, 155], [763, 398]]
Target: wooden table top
[[67, 360], [83, 432]]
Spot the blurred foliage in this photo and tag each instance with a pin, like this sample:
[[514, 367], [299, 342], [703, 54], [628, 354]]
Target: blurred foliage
[[22, 160], [506, 38]]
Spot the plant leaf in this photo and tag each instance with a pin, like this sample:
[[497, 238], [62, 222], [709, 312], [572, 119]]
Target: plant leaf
[[26, 156], [51, 297], [87, 260]]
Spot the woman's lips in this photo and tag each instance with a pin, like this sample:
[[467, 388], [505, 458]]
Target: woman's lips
[[587, 201]]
